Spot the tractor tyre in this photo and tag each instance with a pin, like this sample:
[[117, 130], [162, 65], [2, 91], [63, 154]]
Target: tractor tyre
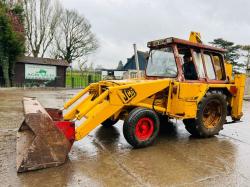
[[164, 119], [190, 127], [141, 127], [109, 122], [211, 115]]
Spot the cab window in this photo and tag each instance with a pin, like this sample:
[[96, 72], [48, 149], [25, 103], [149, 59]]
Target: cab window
[[199, 64], [162, 63], [209, 67], [218, 65], [188, 66]]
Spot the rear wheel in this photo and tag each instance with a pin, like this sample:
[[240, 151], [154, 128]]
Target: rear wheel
[[211, 115], [141, 127], [190, 127]]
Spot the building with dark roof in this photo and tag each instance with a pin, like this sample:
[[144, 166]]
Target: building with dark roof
[[142, 58], [32, 71]]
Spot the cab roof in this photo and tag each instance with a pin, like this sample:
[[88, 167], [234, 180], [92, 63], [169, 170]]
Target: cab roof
[[172, 40]]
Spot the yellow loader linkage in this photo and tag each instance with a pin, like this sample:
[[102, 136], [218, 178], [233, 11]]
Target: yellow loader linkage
[[184, 80], [100, 106]]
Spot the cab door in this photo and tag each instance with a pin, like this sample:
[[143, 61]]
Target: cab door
[[186, 93]]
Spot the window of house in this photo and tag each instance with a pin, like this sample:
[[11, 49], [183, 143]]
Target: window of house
[[209, 67]]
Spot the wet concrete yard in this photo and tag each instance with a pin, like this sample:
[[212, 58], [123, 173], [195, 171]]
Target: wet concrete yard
[[104, 158]]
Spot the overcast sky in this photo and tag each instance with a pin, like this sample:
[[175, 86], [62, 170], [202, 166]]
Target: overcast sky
[[120, 23]]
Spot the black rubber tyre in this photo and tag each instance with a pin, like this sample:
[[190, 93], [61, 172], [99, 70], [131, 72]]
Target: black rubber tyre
[[109, 122], [211, 115], [141, 127], [190, 127], [236, 119], [164, 119]]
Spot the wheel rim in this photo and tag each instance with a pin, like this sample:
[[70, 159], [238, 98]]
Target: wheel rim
[[144, 129], [212, 114]]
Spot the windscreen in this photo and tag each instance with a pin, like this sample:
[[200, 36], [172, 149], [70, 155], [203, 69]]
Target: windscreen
[[161, 62]]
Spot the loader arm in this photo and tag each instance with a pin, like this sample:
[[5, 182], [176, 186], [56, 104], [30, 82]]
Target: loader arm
[[97, 107]]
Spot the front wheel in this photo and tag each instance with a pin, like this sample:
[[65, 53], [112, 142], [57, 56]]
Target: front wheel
[[141, 127]]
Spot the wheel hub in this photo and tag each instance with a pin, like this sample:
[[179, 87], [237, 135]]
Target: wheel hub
[[144, 129], [212, 114]]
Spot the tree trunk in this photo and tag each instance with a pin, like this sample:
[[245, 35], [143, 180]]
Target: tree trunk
[[35, 53], [12, 72], [5, 65]]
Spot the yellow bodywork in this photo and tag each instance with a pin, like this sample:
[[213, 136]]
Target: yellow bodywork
[[195, 37], [229, 70], [114, 99]]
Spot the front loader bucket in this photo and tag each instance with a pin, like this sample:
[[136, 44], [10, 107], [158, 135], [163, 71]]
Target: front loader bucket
[[43, 140]]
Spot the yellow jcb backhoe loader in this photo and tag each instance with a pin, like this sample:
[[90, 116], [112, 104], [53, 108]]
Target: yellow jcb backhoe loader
[[185, 80]]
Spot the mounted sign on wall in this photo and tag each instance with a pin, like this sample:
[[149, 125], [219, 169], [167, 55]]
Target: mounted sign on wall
[[40, 72]]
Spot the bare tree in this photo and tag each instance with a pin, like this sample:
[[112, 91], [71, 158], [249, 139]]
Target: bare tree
[[42, 19], [74, 40], [82, 64]]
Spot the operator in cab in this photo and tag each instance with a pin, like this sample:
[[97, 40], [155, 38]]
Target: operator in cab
[[189, 68]]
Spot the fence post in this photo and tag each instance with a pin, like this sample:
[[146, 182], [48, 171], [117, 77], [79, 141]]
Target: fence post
[[89, 79], [72, 82]]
